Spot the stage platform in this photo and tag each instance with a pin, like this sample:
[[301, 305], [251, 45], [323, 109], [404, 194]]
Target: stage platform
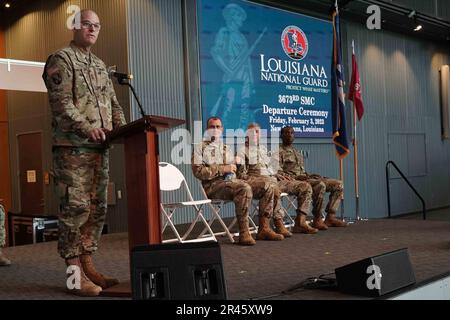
[[252, 272]]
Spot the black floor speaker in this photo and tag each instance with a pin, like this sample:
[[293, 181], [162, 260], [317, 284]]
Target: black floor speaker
[[178, 272], [378, 275]]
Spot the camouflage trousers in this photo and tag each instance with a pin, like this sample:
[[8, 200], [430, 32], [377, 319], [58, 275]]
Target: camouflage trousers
[[81, 180], [237, 191], [2, 226], [266, 190], [321, 186], [302, 190]]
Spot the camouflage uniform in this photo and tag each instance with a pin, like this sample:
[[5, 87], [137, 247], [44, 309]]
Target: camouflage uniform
[[208, 161], [291, 163], [82, 98], [3, 260], [258, 170], [255, 169], [2, 227]]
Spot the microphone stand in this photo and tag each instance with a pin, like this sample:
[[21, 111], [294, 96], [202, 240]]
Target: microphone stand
[[126, 82]]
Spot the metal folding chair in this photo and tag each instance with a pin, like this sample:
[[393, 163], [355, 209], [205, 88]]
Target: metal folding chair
[[291, 204], [216, 206], [289, 222], [172, 180], [253, 228]]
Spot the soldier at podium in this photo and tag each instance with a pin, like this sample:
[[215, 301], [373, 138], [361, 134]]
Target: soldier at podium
[[3, 260], [214, 164], [84, 107]]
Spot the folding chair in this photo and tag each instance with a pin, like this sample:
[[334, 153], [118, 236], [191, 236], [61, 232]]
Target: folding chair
[[291, 205], [253, 228], [289, 222], [173, 180], [216, 206]]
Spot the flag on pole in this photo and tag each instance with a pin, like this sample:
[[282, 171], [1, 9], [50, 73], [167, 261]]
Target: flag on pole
[[355, 88], [338, 96]]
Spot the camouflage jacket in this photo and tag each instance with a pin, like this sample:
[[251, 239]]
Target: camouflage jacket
[[2, 226], [290, 161], [81, 96], [255, 161], [208, 162]]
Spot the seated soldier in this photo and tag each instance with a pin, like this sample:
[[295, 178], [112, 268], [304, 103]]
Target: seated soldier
[[3, 260], [256, 170], [213, 164], [291, 165]]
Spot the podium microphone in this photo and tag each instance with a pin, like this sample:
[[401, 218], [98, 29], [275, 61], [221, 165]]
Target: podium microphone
[[120, 76], [124, 79]]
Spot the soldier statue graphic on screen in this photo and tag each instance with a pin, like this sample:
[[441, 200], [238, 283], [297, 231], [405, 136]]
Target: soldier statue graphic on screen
[[231, 53], [295, 45]]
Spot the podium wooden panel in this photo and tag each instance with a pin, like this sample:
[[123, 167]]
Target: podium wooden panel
[[140, 139]]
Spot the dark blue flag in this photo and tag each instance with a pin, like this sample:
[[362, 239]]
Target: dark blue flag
[[337, 87]]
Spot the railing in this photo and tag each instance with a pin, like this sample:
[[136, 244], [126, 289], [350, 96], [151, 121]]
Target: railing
[[424, 211]]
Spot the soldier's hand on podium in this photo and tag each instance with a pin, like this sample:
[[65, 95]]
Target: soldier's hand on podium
[[98, 134]]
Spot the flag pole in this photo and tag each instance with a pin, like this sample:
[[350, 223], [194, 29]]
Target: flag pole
[[355, 153], [341, 161]]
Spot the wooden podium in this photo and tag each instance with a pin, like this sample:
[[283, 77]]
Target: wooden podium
[[142, 181]]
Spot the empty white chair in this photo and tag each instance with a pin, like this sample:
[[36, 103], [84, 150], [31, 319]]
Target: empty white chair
[[171, 180]]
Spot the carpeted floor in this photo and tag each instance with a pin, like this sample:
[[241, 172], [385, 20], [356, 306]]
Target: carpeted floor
[[250, 272]]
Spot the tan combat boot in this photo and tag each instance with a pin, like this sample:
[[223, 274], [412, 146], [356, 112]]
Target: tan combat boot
[[245, 238], [87, 288], [3, 260], [265, 232], [280, 228], [318, 223], [332, 221], [301, 226], [96, 277]]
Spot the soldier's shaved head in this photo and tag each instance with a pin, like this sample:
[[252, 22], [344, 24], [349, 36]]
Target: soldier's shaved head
[[214, 128], [213, 119], [288, 135], [86, 28], [82, 14]]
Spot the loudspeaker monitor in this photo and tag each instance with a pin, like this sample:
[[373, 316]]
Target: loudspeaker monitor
[[178, 272], [378, 275]]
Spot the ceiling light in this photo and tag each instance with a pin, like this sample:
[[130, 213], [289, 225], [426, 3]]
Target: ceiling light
[[418, 26], [7, 5]]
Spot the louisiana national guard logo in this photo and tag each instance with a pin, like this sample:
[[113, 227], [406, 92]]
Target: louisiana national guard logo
[[294, 42]]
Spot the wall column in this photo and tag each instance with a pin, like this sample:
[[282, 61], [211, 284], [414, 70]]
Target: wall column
[[5, 180]]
